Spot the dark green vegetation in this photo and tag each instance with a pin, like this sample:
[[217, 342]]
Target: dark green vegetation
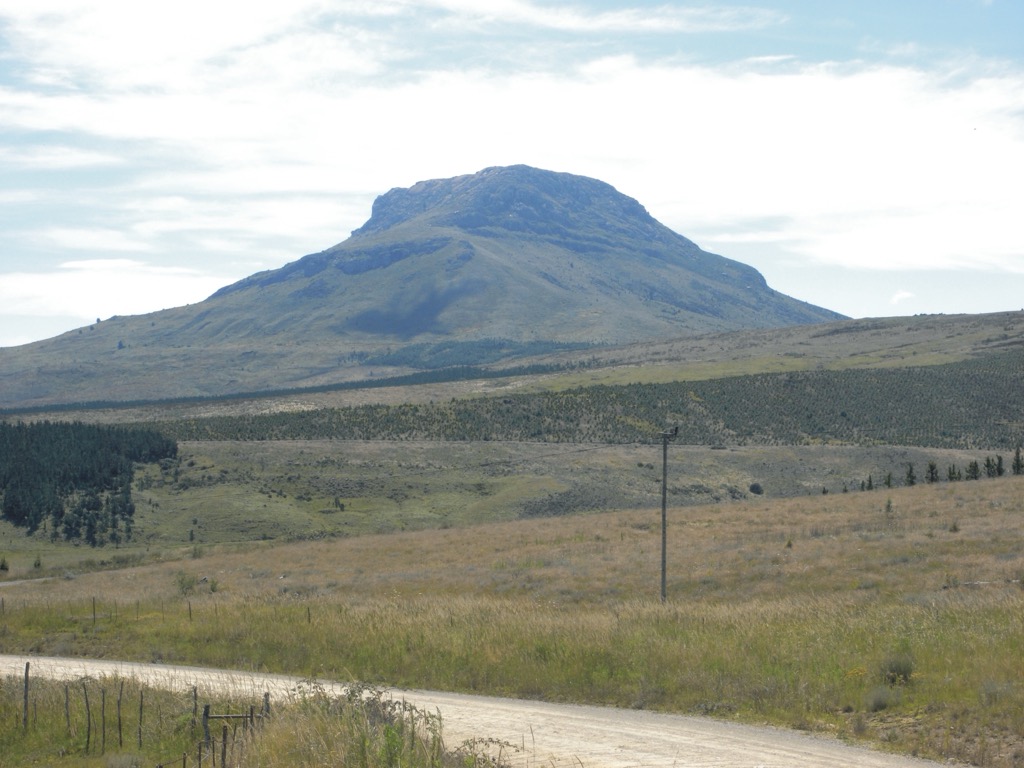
[[969, 405], [476, 270], [74, 479]]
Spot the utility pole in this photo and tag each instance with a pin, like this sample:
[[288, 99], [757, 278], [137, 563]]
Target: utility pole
[[665, 437]]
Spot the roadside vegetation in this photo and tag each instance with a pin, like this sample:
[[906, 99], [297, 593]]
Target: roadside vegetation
[[121, 723], [890, 618]]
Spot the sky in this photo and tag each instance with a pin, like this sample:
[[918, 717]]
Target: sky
[[865, 156]]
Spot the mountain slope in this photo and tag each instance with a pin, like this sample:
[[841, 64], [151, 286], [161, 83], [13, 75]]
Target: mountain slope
[[520, 254], [474, 269]]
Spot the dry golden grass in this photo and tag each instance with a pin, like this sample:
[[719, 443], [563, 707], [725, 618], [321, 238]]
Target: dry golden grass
[[932, 537], [892, 615]]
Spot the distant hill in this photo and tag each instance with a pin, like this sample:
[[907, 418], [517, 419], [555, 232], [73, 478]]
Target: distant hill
[[477, 269]]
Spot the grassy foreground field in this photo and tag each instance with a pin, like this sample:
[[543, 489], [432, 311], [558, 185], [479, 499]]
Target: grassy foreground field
[[894, 616]]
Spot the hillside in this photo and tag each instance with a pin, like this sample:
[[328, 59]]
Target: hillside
[[477, 269]]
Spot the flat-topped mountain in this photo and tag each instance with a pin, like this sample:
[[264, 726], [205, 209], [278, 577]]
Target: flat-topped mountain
[[499, 264], [521, 254]]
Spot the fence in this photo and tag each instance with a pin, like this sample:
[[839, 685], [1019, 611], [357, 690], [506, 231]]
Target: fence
[[209, 752]]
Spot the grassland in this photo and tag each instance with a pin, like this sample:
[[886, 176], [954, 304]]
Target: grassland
[[528, 566], [890, 616]]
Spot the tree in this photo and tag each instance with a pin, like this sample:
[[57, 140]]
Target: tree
[[911, 478], [932, 475], [74, 479], [990, 467], [1018, 463], [973, 471]]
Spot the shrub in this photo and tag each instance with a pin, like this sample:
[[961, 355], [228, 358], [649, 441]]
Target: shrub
[[882, 697], [186, 582], [897, 669]]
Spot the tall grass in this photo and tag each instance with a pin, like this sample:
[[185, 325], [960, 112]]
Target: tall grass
[[861, 615], [818, 663], [361, 728]]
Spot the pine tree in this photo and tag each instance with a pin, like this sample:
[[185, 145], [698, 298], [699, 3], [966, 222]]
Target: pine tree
[[990, 467]]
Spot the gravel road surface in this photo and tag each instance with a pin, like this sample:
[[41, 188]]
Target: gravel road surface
[[555, 735]]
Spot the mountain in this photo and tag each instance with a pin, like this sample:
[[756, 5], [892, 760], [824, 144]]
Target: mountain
[[475, 269]]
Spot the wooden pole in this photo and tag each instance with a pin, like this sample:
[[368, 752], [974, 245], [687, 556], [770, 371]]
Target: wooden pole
[[141, 695], [665, 437], [224, 746], [24, 714], [120, 695], [664, 516], [88, 718]]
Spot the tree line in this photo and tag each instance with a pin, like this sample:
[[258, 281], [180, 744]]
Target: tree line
[[74, 480]]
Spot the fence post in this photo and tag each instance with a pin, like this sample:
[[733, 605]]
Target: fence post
[[206, 724], [266, 704], [141, 694], [103, 720], [224, 747], [120, 733], [88, 718], [24, 715]]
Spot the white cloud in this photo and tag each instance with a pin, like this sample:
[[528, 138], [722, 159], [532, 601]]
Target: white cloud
[[55, 158], [667, 18], [252, 133], [900, 296], [94, 240], [872, 166], [101, 288]]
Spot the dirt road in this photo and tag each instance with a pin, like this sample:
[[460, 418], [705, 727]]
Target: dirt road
[[556, 735]]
